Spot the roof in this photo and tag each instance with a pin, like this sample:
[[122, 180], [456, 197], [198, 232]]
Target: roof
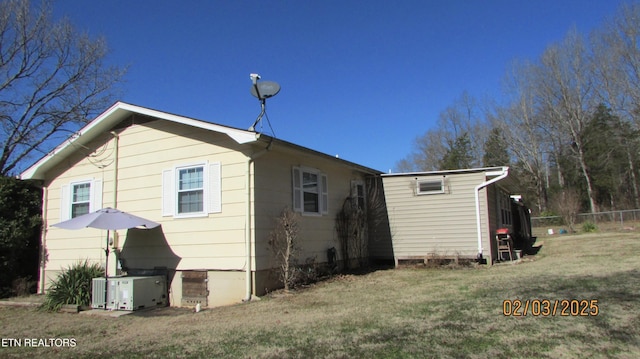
[[491, 171], [120, 111], [511, 183]]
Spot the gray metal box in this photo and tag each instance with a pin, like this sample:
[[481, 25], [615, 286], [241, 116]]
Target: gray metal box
[[129, 293], [97, 293]]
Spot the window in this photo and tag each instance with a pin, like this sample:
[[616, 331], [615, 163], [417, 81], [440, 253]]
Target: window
[[191, 190], [80, 197], [310, 198], [310, 191], [504, 209], [358, 194], [429, 186]]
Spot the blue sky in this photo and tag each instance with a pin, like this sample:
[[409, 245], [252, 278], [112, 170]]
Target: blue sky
[[361, 79]]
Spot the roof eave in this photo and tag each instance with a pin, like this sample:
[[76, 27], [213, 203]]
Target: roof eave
[[490, 171], [111, 117], [361, 168]]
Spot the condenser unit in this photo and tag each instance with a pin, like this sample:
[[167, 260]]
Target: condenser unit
[[98, 293], [129, 293]]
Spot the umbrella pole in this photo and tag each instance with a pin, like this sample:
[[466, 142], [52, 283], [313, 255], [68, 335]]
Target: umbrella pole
[[106, 273]]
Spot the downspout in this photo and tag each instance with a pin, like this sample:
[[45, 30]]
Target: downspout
[[43, 240], [501, 175], [116, 144], [116, 239], [247, 230]]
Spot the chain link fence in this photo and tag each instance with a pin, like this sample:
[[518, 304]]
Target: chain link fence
[[626, 219]]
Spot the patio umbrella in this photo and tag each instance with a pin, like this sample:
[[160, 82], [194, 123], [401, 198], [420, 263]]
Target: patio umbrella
[[109, 219]]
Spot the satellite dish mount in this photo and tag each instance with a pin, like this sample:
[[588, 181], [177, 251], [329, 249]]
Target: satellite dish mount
[[262, 91]]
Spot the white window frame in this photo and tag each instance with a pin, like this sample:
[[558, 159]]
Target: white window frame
[[419, 182], [74, 202], [179, 191], [211, 190], [298, 190], [66, 197]]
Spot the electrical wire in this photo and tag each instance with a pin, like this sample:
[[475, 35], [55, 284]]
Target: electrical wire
[[92, 156]]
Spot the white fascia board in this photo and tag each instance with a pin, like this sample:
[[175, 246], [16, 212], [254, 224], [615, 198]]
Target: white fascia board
[[118, 112], [240, 136], [32, 172]]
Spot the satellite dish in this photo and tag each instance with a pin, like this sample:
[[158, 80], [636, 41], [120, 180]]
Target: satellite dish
[[262, 91], [265, 89]]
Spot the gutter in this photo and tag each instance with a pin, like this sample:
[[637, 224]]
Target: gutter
[[501, 175], [247, 230]]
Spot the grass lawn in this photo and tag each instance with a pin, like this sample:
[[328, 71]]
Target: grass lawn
[[404, 313]]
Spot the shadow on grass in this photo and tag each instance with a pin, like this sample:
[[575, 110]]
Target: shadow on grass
[[615, 288], [162, 312], [617, 296], [532, 251]]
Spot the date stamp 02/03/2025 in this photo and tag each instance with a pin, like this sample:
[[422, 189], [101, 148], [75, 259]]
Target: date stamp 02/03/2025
[[550, 307]]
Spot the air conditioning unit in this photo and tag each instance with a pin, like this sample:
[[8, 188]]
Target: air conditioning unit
[[129, 293], [97, 293]]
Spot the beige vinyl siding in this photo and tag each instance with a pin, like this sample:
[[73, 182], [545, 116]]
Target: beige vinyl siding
[[435, 224], [215, 241], [274, 192]]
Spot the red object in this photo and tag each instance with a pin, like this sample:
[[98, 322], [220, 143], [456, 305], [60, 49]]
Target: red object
[[502, 231]]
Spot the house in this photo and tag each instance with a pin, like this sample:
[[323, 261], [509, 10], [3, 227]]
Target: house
[[451, 214], [215, 190]]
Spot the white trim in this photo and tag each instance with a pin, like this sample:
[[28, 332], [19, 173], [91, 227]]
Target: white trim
[[323, 193], [240, 136], [167, 194], [96, 195], [214, 202], [65, 202], [444, 172], [296, 184], [111, 117]]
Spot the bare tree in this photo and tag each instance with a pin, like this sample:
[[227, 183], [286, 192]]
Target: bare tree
[[565, 94], [567, 205], [462, 118], [283, 243], [52, 79], [616, 59], [522, 130], [617, 62]]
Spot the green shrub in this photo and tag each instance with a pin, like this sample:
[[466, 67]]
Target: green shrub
[[589, 227], [73, 286]]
